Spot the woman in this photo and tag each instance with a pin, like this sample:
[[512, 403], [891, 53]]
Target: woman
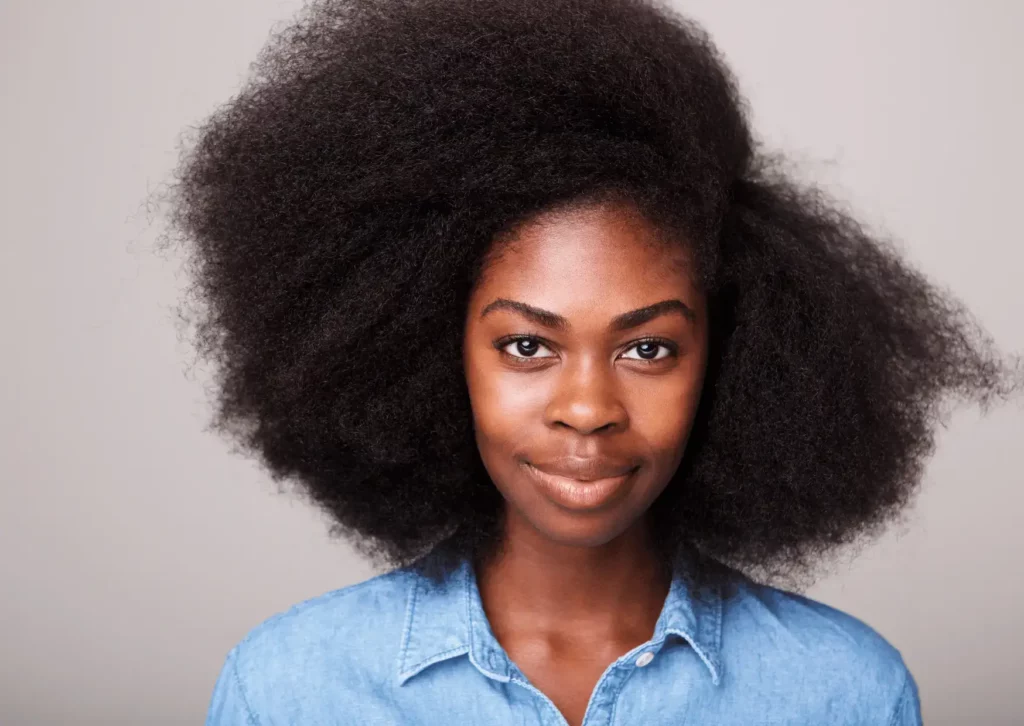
[[508, 289]]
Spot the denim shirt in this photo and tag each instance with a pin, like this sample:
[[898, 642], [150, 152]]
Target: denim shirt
[[396, 649]]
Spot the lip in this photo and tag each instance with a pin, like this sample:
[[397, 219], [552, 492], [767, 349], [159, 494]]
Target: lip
[[581, 494]]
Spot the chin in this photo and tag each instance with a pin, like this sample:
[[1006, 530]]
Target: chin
[[572, 529]]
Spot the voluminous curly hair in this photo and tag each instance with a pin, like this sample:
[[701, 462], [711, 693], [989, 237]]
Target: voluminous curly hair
[[337, 211]]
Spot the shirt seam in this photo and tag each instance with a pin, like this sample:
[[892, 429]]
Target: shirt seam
[[904, 692], [299, 608], [251, 717], [407, 626], [618, 695]]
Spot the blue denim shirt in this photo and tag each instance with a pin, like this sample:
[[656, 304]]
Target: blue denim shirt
[[398, 650]]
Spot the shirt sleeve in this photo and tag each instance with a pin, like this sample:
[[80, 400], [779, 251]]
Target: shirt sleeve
[[228, 706], [908, 707]]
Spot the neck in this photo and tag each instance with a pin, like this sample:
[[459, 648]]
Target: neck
[[538, 586]]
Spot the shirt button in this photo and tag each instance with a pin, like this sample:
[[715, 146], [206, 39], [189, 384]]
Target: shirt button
[[644, 659]]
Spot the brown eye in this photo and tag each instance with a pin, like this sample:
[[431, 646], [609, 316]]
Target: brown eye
[[524, 348], [651, 350]]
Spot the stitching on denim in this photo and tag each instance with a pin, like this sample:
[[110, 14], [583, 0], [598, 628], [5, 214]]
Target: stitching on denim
[[301, 607], [251, 717], [618, 696], [439, 657], [407, 627], [544, 697], [904, 692], [716, 636], [471, 623]]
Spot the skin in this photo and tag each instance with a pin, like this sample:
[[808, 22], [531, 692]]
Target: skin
[[575, 589]]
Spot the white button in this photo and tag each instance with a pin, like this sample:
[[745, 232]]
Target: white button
[[644, 659]]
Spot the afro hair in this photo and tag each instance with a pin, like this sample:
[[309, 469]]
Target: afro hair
[[337, 211]]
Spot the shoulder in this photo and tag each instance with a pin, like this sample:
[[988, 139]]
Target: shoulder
[[805, 626], [830, 658], [334, 613], [352, 632]]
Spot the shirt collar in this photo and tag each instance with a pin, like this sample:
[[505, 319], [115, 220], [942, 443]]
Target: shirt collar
[[447, 620]]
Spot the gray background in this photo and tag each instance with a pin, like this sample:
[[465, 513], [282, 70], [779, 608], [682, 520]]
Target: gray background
[[135, 549]]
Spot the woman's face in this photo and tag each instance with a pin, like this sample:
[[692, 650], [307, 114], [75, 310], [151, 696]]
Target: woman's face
[[585, 351]]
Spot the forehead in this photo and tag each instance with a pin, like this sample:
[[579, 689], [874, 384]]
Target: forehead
[[595, 258]]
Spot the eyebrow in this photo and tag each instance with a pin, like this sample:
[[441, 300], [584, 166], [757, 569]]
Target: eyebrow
[[625, 321]]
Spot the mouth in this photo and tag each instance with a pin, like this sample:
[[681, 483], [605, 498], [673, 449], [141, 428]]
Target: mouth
[[582, 494]]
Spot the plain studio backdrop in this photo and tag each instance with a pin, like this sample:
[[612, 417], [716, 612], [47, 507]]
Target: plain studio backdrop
[[135, 549]]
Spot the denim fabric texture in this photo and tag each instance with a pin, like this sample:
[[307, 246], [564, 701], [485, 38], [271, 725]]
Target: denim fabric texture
[[397, 649]]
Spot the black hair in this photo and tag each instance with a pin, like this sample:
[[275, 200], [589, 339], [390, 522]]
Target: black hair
[[337, 211]]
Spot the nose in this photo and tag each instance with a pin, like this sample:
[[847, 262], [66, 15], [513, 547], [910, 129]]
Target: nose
[[586, 400]]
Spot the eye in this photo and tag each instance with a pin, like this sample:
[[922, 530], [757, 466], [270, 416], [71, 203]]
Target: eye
[[524, 347], [648, 350]]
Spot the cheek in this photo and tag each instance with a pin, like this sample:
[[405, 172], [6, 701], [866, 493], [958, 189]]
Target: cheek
[[502, 401], [503, 404], [663, 418]]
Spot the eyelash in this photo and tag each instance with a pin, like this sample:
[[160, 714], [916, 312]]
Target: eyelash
[[671, 347]]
